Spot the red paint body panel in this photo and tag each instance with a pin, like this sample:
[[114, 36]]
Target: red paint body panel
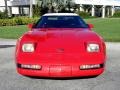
[[60, 52], [67, 72]]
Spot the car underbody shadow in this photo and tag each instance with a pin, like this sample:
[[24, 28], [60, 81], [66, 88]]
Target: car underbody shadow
[[62, 78], [6, 46]]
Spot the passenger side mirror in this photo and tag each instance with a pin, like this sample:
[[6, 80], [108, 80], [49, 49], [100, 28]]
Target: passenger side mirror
[[30, 26], [90, 25]]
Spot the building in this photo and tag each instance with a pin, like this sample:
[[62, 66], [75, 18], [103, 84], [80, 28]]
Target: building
[[22, 7], [2, 5], [106, 5], [17, 7]]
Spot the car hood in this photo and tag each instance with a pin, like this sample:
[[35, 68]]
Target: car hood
[[57, 46], [63, 34]]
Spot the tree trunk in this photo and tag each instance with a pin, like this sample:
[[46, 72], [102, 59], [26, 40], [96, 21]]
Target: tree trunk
[[6, 8]]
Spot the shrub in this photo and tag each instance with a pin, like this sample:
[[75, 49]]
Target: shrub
[[83, 14], [3, 15], [7, 22], [116, 14], [17, 21], [24, 20]]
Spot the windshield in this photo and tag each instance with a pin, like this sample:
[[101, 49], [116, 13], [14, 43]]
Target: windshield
[[61, 22]]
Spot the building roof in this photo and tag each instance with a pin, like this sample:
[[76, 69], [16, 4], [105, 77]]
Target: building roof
[[60, 14], [99, 2]]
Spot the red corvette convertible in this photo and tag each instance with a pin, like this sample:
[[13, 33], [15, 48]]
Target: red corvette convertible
[[60, 45]]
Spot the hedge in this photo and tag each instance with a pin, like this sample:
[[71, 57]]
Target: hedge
[[116, 14], [83, 14], [22, 20], [3, 15], [17, 21]]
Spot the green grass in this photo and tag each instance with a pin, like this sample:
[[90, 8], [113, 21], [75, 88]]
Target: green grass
[[12, 32], [108, 28]]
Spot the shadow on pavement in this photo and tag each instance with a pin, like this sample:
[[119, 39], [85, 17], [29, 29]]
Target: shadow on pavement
[[6, 46], [57, 78]]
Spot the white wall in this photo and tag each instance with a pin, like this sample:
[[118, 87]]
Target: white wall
[[2, 9], [2, 3], [15, 10]]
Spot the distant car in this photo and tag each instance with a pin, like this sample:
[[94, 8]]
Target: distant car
[[60, 45]]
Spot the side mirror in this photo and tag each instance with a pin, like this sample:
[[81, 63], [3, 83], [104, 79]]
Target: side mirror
[[90, 25], [30, 26]]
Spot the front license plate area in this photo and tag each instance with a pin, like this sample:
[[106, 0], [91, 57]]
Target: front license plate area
[[60, 71]]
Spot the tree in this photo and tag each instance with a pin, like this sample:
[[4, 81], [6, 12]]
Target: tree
[[36, 10], [6, 8], [55, 5]]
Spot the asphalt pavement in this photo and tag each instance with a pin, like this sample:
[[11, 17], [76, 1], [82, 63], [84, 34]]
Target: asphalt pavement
[[11, 80]]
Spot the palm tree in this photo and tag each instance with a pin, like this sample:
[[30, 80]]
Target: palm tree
[[6, 8]]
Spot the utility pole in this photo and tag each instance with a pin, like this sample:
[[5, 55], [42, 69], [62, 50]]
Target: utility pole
[[31, 8]]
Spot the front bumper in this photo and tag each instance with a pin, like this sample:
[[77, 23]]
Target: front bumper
[[60, 71]]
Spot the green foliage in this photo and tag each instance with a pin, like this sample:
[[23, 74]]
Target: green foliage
[[7, 22], [36, 11], [3, 15], [83, 14], [116, 14], [17, 21]]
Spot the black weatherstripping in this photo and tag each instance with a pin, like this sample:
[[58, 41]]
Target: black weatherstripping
[[6, 46]]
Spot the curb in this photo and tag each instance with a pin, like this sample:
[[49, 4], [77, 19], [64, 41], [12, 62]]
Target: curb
[[7, 42]]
